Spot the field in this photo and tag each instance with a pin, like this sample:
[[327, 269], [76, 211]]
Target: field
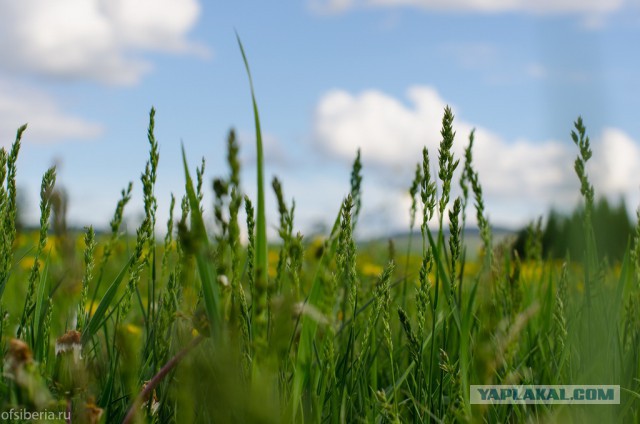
[[201, 326]]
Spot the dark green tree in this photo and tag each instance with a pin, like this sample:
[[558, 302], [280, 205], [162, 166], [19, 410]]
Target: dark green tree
[[564, 234]]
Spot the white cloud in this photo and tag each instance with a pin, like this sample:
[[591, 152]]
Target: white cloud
[[389, 132], [521, 178], [616, 171], [93, 39], [483, 6], [331, 6], [47, 123], [593, 22]]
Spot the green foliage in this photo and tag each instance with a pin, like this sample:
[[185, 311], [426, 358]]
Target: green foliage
[[204, 326], [564, 235]]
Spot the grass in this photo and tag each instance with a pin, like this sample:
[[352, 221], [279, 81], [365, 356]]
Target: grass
[[200, 327]]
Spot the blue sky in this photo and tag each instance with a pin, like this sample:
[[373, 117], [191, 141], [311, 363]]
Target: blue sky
[[330, 76]]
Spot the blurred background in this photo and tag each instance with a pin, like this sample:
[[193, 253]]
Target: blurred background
[[331, 76]]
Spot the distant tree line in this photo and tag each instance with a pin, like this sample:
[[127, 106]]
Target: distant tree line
[[563, 234]]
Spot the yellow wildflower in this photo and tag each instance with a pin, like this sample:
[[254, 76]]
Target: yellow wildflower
[[371, 270]]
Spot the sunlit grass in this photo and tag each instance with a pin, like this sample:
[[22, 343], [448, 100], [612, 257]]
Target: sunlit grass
[[200, 327]]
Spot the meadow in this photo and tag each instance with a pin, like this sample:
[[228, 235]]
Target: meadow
[[201, 326]]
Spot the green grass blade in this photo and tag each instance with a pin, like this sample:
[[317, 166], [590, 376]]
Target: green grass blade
[[309, 326], [40, 312], [96, 320], [210, 289], [465, 350], [446, 283], [261, 222]]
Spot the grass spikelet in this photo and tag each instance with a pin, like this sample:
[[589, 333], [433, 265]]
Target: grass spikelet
[[447, 165], [168, 237], [233, 160], [238, 295], [251, 245], [356, 189], [413, 210], [581, 140], [48, 182], [455, 243], [9, 212], [296, 255], [149, 177], [380, 302], [482, 219], [383, 295], [413, 191], [136, 268], [412, 340], [387, 409], [46, 333], [285, 229], [169, 299], [199, 182], [115, 224], [427, 195], [347, 256], [90, 245], [220, 190], [560, 318]]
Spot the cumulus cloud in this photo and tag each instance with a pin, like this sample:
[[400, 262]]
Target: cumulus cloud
[[616, 170], [47, 123], [93, 39], [520, 177], [483, 6], [390, 132]]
